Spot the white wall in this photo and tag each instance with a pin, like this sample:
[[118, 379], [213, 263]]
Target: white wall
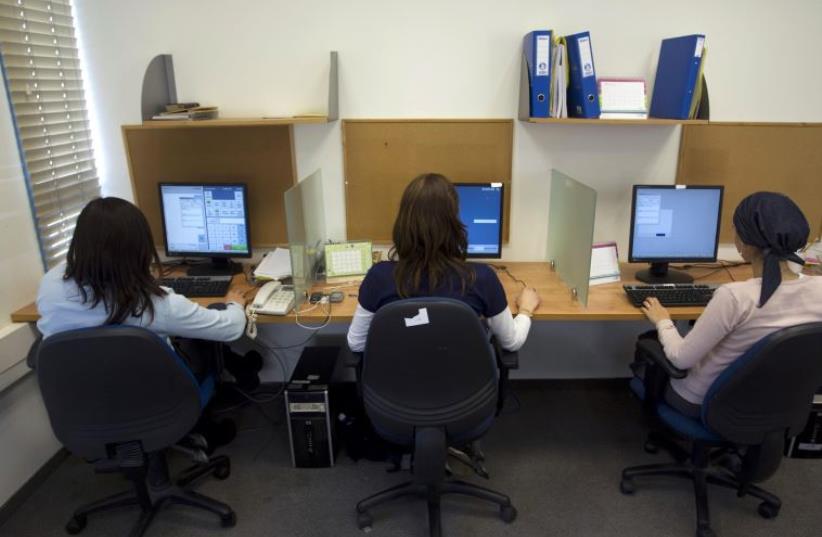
[[26, 440], [455, 59]]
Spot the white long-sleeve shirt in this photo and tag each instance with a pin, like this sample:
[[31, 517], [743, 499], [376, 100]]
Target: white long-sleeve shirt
[[731, 324], [61, 308], [510, 331]]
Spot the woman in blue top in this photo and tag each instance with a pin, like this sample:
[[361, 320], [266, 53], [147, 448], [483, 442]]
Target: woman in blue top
[[429, 259], [107, 280]]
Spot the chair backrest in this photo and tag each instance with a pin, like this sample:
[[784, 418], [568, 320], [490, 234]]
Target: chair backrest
[[769, 389], [428, 362], [116, 384]]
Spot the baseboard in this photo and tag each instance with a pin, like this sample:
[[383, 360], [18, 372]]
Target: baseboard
[[24, 492]]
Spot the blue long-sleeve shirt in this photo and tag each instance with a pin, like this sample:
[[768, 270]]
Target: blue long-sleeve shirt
[[61, 308]]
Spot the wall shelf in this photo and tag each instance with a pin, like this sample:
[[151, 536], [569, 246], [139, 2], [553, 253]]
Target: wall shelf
[[585, 121], [228, 122]]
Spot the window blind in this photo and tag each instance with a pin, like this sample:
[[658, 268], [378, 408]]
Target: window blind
[[41, 70]]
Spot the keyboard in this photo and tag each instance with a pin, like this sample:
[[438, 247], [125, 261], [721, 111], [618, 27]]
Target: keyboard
[[198, 286], [671, 294]]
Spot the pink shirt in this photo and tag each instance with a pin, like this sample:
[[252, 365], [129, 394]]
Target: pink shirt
[[731, 324]]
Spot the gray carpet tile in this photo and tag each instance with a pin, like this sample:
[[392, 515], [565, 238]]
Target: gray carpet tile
[[559, 457]]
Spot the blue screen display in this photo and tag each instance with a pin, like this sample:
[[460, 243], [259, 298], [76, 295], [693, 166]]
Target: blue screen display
[[481, 212], [675, 223]]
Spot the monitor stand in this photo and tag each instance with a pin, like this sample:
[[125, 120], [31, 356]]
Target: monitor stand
[[219, 266], [659, 273]]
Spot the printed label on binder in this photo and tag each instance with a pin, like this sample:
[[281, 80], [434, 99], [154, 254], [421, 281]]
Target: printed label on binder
[[543, 48], [700, 44], [586, 57]]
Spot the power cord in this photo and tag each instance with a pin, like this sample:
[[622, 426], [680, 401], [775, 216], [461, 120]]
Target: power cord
[[503, 268]]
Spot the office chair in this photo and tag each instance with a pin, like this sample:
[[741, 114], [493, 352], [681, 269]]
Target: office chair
[[759, 401], [430, 380], [118, 397]]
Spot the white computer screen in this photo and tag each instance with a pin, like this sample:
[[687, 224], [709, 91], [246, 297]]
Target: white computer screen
[[205, 219], [675, 223]]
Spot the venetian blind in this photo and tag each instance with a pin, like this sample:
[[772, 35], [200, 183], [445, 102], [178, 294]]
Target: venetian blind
[[41, 70]]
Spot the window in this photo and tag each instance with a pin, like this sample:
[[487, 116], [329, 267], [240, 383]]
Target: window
[[41, 71]]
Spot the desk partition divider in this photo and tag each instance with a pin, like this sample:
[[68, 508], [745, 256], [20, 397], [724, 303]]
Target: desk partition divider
[[305, 222], [571, 215]]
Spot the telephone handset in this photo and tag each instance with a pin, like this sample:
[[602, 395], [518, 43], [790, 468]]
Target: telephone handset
[[273, 298]]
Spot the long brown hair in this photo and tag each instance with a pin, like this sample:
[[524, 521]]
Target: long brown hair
[[429, 238], [110, 259]]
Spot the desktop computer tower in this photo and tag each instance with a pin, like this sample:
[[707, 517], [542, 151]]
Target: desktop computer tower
[[309, 404]]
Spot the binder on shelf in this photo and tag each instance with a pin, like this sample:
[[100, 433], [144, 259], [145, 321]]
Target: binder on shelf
[[583, 100], [677, 73], [536, 50]]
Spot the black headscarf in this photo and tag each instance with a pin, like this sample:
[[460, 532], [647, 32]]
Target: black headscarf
[[773, 223]]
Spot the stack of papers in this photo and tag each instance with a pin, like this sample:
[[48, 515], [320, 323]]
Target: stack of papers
[[559, 81], [622, 98], [275, 265]]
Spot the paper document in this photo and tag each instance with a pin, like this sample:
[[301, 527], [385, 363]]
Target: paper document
[[274, 265], [559, 82], [604, 264], [622, 95]]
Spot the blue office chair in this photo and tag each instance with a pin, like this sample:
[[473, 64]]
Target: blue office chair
[[430, 380], [118, 397], [759, 401]]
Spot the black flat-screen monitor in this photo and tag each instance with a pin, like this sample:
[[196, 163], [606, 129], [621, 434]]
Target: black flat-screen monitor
[[673, 224], [481, 213], [206, 220]]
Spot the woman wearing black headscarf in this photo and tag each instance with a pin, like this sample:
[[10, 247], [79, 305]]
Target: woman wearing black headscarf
[[769, 229]]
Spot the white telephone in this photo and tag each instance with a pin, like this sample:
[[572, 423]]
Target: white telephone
[[273, 298]]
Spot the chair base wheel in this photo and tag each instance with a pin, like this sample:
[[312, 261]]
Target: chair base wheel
[[650, 447], [364, 521], [76, 525], [768, 510], [508, 513], [627, 486], [705, 532], [222, 470], [229, 520]]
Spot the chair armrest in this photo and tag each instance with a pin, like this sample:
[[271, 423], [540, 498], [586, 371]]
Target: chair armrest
[[653, 350], [352, 359], [31, 357], [506, 360]]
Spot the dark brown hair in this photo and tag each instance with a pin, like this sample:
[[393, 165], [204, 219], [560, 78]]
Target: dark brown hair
[[429, 238], [110, 259]]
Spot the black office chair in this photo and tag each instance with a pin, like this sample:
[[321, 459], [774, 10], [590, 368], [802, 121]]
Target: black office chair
[[430, 380], [118, 397], [759, 401]]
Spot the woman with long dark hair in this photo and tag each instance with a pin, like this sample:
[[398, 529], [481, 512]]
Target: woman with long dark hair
[[107, 280], [768, 230], [429, 259]]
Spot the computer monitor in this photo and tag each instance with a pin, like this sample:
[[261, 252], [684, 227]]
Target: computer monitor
[[673, 224], [206, 220], [481, 212]]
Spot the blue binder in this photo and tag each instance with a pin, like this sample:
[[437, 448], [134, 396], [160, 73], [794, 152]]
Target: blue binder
[[583, 99], [536, 46], [676, 76]]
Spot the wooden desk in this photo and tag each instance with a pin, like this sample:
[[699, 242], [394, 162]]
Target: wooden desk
[[605, 302]]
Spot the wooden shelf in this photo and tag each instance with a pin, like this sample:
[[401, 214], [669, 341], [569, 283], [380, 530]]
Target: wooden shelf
[[630, 122], [228, 122]]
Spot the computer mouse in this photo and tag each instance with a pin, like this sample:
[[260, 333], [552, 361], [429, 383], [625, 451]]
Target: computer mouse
[[217, 306]]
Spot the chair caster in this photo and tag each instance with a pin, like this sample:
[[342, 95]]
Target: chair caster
[[508, 513], [76, 525], [627, 486], [364, 521], [650, 447], [705, 532], [222, 470], [229, 520], [768, 510]]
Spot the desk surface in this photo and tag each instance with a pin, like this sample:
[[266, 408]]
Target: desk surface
[[605, 302]]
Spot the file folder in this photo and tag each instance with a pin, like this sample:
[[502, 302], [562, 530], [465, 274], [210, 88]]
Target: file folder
[[583, 100], [536, 47], [677, 74]]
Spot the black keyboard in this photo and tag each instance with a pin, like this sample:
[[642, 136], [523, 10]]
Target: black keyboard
[[671, 294], [198, 286]]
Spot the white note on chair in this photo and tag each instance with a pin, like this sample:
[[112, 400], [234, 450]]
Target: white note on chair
[[417, 320]]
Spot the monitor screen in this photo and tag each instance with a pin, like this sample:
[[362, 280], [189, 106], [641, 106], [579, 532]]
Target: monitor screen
[[675, 223], [205, 220], [481, 212]]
